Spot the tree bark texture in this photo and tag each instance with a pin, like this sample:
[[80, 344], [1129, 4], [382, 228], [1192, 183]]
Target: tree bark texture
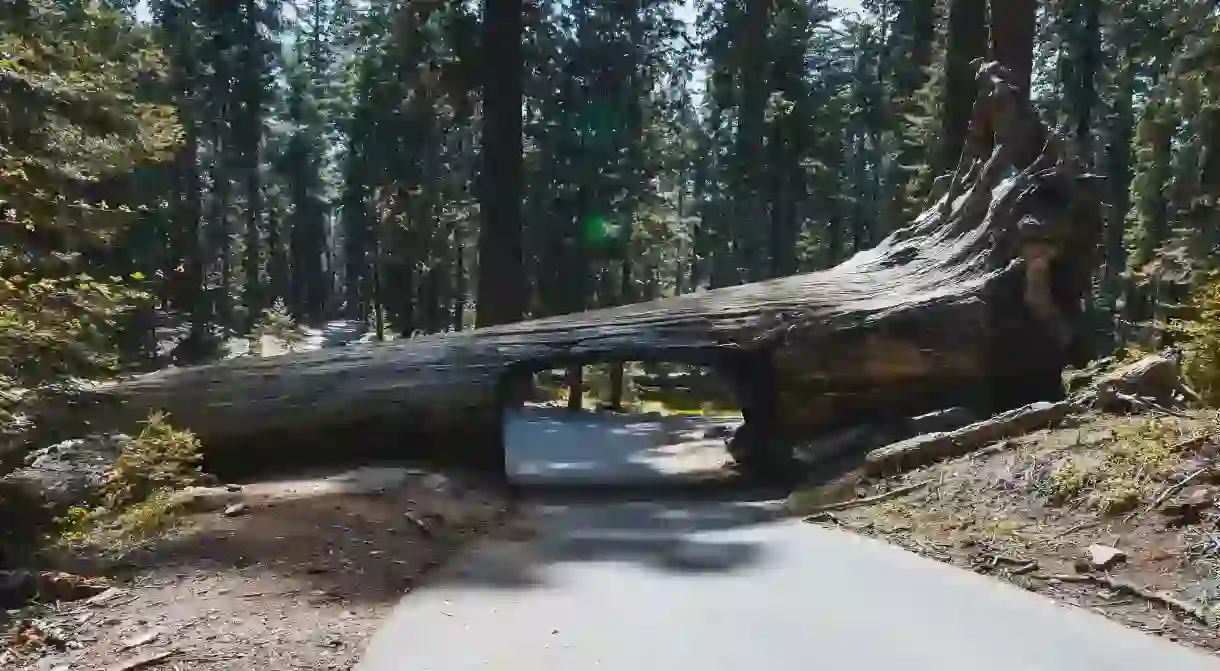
[[976, 303], [1013, 24], [967, 41], [502, 288]]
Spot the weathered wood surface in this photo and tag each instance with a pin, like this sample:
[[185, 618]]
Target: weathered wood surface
[[975, 303]]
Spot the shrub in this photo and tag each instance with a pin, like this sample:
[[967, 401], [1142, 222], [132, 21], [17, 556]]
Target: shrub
[[276, 322], [160, 458], [1201, 335], [1066, 482]]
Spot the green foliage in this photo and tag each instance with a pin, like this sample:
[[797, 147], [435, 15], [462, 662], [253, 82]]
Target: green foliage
[[276, 322], [116, 531], [160, 458], [71, 124], [138, 501], [1124, 473], [1201, 360]]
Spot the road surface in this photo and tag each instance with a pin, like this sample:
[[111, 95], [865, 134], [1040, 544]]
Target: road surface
[[720, 585], [552, 445]]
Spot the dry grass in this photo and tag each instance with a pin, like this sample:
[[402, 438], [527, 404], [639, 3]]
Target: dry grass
[[1121, 470]]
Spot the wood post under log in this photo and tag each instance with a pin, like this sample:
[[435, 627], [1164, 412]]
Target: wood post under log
[[976, 304]]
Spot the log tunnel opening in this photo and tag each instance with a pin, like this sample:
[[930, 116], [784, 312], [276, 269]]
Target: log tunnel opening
[[694, 412]]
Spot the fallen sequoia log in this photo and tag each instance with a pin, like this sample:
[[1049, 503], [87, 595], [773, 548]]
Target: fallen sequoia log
[[974, 304]]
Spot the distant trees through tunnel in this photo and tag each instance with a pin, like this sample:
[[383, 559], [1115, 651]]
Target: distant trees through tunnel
[[637, 386]]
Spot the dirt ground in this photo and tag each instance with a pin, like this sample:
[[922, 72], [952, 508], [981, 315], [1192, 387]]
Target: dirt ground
[[1031, 510], [293, 574]]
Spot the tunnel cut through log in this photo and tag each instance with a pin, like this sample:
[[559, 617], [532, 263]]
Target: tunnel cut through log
[[748, 375]]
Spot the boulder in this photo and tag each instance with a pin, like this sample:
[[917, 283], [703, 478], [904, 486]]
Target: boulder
[[1153, 378], [69, 473], [54, 479]]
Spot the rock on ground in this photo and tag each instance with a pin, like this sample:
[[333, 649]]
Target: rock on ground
[[54, 478], [69, 472]]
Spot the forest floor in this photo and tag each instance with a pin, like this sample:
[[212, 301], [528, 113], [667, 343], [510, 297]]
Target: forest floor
[[287, 574], [1115, 515]]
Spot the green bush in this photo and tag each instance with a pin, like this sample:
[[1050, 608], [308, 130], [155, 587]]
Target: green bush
[[276, 322], [1201, 337], [160, 458]]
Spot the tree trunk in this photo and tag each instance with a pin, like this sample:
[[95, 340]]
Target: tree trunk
[[752, 211], [626, 297], [459, 277], [575, 381], [1119, 158], [502, 286], [976, 303], [967, 41], [1088, 66], [1013, 23]]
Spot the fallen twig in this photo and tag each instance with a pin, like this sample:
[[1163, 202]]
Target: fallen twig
[[997, 559], [994, 448], [141, 661], [1026, 568], [1169, 491], [418, 524], [1190, 393], [1118, 585], [1076, 527], [1143, 403], [867, 500]]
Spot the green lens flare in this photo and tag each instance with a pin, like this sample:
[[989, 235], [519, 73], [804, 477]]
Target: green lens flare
[[597, 230]]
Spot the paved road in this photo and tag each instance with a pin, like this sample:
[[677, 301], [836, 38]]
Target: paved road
[[715, 585], [552, 445]]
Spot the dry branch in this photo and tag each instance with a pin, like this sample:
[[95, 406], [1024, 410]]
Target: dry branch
[[1127, 587], [1170, 491], [865, 501]]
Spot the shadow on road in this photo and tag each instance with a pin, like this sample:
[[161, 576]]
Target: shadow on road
[[670, 528], [661, 511]]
